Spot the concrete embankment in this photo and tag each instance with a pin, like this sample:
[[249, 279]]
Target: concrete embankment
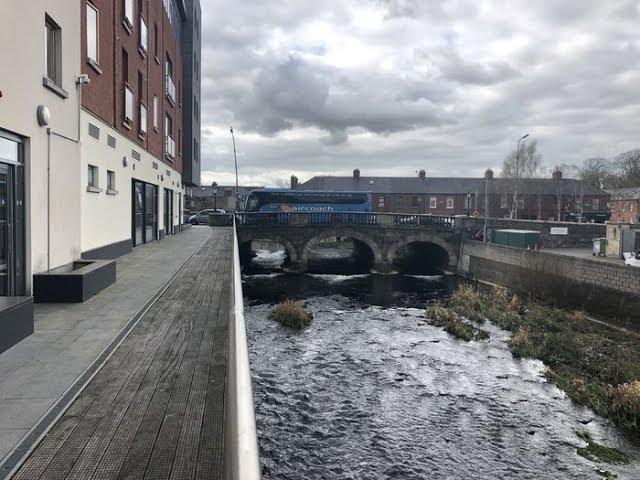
[[598, 286]]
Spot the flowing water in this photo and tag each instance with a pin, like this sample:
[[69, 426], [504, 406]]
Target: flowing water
[[371, 391]]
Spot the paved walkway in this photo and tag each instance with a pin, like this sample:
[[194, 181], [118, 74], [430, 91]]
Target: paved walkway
[[68, 337], [156, 408], [582, 252]]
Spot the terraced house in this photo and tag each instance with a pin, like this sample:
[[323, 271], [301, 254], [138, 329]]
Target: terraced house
[[554, 198]]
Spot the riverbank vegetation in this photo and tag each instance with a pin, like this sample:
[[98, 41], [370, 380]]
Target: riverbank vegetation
[[452, 322], [596, 365], [291, 314]]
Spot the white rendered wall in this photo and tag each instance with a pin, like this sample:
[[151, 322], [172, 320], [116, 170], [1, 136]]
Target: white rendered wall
[[106, 219], [22, 53]]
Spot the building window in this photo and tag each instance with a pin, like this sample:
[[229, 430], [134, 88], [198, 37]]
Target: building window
[[128, 12], [92, 33], [415, 201], [143, 119], [156, 113], [144, 36], [380, 202], [397, 201], [155, 39], [92, 176], [196, 108], [449, 203], [170, 86], [111, 180], [433, 202], [53, 50], [128, 104], [170, 145], [596, 204], [503, 201], [125, 66], [195, 150]]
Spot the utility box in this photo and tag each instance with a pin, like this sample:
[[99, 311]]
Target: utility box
[[529, 239]]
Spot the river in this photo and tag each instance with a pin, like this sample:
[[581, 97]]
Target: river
[[371, 391]]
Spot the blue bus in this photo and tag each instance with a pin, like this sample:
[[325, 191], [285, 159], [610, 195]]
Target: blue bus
[[278, 200]]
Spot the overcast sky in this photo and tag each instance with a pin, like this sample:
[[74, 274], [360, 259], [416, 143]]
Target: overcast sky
[[317, 87]]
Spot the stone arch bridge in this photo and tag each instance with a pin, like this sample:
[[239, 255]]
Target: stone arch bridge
[[379, 236]]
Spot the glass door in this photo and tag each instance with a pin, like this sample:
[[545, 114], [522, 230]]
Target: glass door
[[151, 211], [12, 239], [168, 211], [4, 230], [138, 213]]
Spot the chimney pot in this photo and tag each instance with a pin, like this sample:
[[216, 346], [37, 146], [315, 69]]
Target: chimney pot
[[488, 175], [294, 182], [557, 174], [423, 175], [356, 173]]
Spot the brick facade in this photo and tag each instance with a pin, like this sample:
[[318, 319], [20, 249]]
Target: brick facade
[[105, 97]]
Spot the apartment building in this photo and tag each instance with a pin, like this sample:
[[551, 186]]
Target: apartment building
[[91, 130], [191, 48], [132, 123]]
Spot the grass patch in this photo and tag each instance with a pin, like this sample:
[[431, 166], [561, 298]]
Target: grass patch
[[597, 366], [599, 453], [291, 314], [453, 323]]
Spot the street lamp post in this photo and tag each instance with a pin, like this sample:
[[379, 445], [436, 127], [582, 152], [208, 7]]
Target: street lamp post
[[235, 161], [214, 185], [514, 208], [468, 203], [488, 175]]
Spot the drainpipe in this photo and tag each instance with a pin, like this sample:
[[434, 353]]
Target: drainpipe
[[82, 79]]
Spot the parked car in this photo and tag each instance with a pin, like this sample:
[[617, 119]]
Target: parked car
[[202, 217]]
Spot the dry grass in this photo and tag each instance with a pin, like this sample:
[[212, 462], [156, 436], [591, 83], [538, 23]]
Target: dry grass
[[520, 343], [625, 402], [453, 323], [467, 301], [291, 314]]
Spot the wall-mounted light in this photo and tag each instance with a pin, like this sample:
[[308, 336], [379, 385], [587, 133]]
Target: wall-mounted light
[[124, 161], [43, 114]]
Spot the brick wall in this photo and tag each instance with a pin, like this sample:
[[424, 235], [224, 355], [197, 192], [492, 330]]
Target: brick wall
[[104, 96], [598, 285]]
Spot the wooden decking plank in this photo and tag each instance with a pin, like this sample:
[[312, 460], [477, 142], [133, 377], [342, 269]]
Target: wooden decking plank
[[127, 435], [62, 463], [211, 452], [189, 442], [163, 454]]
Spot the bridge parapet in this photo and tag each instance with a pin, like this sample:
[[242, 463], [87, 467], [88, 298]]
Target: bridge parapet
[[344, 218]]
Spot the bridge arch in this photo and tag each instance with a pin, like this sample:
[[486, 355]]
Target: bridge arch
[[290, 248], [442, 247], [376, 251]]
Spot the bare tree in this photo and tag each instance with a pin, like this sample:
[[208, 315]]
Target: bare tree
[[281, 182], [524, 163], [628, 165]]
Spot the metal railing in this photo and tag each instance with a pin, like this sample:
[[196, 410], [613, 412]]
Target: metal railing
[[242, 461], [343, 218]]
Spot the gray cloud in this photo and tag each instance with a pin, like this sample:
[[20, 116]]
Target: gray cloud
[[391, 86]]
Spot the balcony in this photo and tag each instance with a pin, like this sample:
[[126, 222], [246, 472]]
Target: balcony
[[170, 89]]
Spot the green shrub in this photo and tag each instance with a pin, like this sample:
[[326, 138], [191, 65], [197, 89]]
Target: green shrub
[[291, 314]]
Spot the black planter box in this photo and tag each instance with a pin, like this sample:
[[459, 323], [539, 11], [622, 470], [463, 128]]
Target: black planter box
[[74, 283], [16, 320]]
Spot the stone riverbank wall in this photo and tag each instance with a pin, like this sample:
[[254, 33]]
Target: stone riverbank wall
[[599, 286]]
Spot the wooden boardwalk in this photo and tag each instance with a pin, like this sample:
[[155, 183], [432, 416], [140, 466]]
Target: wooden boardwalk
[[156, 408]]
